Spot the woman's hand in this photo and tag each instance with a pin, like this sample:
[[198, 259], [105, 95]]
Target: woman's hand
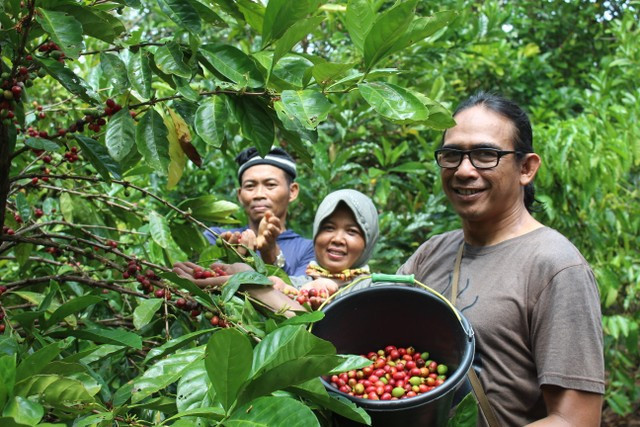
[[187, 270]]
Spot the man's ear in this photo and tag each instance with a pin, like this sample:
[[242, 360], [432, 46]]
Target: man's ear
[[294, 189], [529, 168]]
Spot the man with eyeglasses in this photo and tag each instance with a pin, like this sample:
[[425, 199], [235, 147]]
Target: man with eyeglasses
[[530, 295]]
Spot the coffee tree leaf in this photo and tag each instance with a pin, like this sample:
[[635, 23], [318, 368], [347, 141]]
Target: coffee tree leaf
[[421, 28], [253, 13], [22, 252], [23, 411], [326, 73], [208, 208], [152, 143], [358, 20], [410, 167], [315, 392], [304, 318], [63, 29], [350, 362], [140, 74], [386, 30], [280, 15], [207, 15], [23, 206], [72, 306], [394, 102], [102, 336], [243, 278], [466, 413], [293, 35], [120, 136], [170, 60], [182, 13], [99, 157], [286, 344], [175, 344], [95, 23], [228, 358], [309, 107], [256, 124], [115, 71], [371, 75], [93, 420], [233, 64], [70, 81], [159, 229], [7, 371], [209, 412], [41, 144], [54, 390], [164, 373], [145, 311], [177, 156], [194, 390], [273, 411], [210, 120]]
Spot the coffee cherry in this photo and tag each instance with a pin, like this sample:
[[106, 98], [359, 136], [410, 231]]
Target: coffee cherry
[[181, 302], [38, 213], [110, 103]]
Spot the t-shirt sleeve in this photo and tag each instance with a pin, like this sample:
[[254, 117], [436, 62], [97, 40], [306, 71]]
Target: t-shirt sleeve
[[306, 255], [210, 236], [566, 332]]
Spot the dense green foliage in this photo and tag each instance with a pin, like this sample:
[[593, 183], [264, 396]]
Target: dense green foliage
[[157, 96]]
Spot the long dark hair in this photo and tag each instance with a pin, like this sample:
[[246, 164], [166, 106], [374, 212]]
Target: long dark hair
[[523, 135]]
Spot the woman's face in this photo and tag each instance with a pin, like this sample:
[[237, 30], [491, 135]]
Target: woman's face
[[340, 241]]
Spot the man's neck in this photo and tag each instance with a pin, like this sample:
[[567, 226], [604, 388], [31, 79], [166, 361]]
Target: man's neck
[[489, 233]]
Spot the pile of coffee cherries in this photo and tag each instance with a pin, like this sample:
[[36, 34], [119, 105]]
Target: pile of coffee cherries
[[203, 273], [396, 373], [312, 296]]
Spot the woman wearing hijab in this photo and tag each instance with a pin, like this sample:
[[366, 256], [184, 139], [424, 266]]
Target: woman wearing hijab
[[345, 231]]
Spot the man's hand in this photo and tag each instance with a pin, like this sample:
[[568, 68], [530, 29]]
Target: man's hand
[[268, 231], [242, 240]]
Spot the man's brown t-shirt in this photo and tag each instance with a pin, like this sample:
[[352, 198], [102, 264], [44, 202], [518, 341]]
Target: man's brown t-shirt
[[534, 306]]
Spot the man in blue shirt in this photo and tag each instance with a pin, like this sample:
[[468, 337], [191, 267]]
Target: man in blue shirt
[[267, 186]]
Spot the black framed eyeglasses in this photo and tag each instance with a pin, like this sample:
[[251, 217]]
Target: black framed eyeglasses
[[481, 158]]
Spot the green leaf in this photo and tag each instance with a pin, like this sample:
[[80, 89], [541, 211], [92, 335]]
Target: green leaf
[[314, 391], [41, 144], [159, 229], [120, 136], [466, 413], [304, 318], [309, 107], [22, 252], [54, 390], [174, 344], [232, 63], [144, 312], [358, 20], [208, 208], [228, 360], [182, 13], [209, 412], [421, 28], [243, 278], [410, 167], [394, 102], [22, 204], [169, 59], [293, 35], [24, 411], [63, 29], [273, 411], [99, 157], [210, 120], [252, 12], [35, 362], [386, 30], [326, 73], [165, 372], [8, 375], [140, 75], [256, 124], [194, 389], [102, 336], [188, 285], [152, 142], [282, 14], [95, 23], [70, 80], [349, 362], [439, 117], [115, 71]]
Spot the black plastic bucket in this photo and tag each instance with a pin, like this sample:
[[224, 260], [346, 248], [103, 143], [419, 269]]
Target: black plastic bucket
[[373, 318]]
